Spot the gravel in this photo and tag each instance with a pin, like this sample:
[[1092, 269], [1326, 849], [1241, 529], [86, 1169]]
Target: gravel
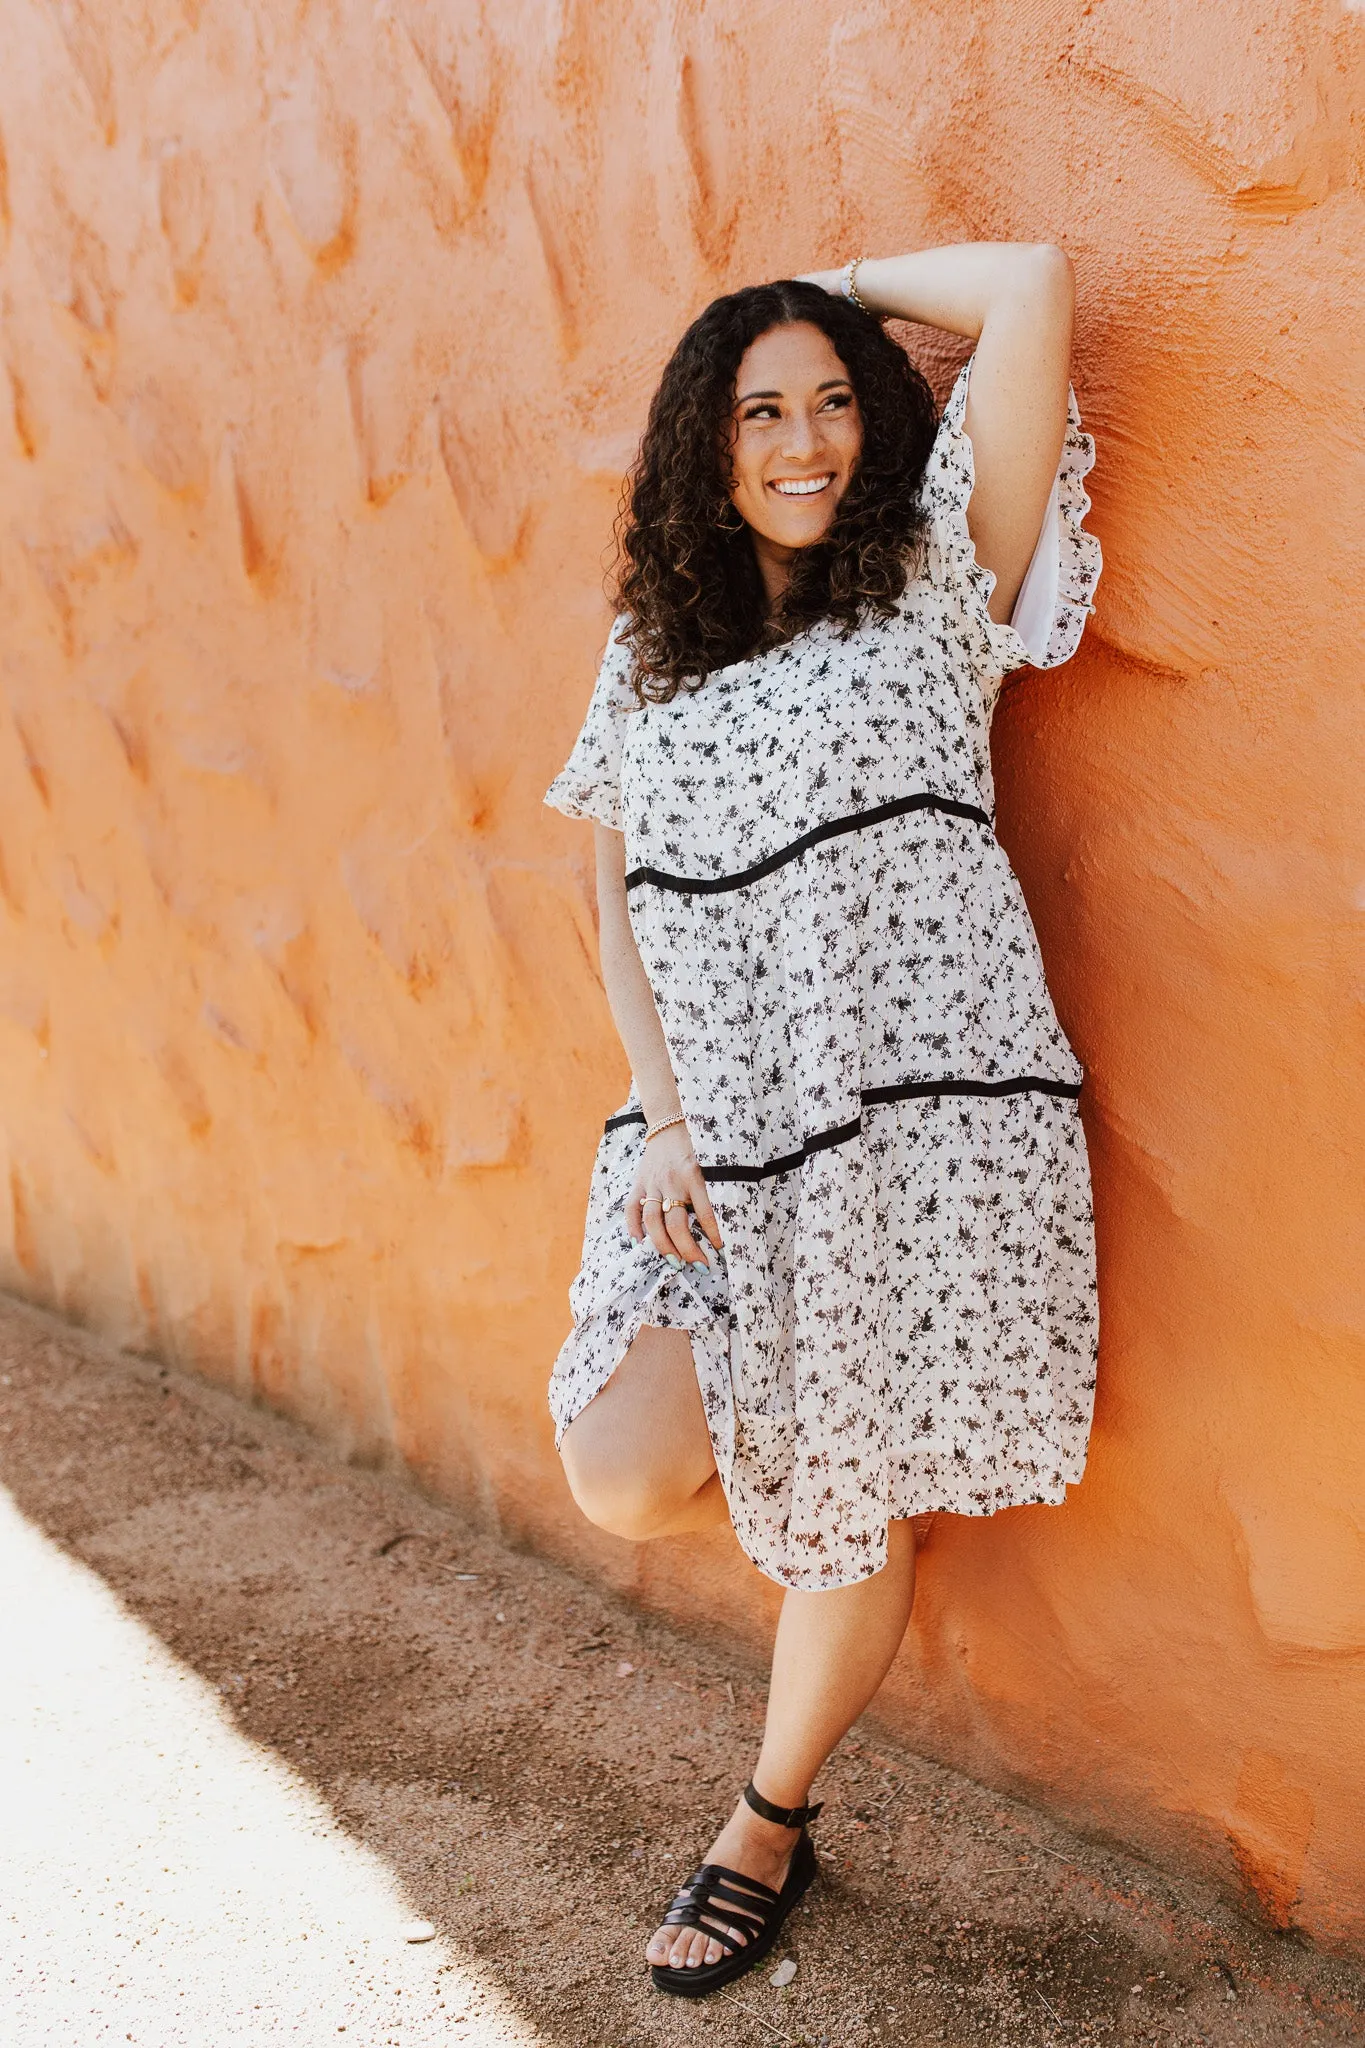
[[261, 1712]]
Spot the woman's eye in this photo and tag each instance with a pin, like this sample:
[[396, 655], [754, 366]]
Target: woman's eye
[[839, 400], [761, 412]]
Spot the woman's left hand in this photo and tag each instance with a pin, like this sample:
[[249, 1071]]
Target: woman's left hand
[[831, 281]]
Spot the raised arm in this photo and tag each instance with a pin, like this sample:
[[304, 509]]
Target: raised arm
[[1015, 300]]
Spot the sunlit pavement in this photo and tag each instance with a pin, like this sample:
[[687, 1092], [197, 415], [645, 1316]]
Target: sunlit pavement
[[167, 1881]]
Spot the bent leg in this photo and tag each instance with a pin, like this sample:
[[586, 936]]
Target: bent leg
[[832, 1652], [638, 1458]]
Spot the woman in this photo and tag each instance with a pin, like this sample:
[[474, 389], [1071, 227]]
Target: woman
[[839, 1261]]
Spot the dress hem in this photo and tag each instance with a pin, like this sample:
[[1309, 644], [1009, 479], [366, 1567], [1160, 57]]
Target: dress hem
[[937, 1500]]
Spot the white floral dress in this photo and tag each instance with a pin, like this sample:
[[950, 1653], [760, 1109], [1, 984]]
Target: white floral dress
[[880, 1095]]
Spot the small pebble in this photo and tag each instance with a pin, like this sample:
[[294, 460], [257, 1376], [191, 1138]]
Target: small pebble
[[419, 1930], [784, 1972], [499, 1616], [623, 1670]]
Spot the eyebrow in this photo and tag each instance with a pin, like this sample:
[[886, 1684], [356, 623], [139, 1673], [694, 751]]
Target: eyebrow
[[830, 384]]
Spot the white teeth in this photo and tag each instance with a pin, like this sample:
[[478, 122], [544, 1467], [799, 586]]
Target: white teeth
[[792, 487]]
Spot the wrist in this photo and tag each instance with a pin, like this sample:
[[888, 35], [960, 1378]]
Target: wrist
[[658, 1103], [671, 1120], [848, 284]]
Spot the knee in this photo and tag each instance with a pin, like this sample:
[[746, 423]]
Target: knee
[[613, 1498]]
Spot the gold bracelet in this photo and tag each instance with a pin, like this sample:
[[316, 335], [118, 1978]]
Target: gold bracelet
[[665, 1124], [851, 288]]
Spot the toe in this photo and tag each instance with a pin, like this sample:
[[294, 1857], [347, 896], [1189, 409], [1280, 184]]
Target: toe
[[657, 1952]]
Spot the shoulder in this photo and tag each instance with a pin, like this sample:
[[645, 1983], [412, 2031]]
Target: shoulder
[[616, 672]]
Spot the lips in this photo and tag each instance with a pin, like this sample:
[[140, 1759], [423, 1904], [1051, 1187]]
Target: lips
[[801, 486]]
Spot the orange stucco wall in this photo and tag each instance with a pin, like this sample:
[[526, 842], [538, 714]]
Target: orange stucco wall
[[327, 330]]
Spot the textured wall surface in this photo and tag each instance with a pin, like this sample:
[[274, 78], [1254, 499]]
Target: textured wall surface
[[327, 330]]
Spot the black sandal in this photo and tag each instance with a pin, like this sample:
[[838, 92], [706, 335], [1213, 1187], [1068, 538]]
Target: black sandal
[[715, 1899]]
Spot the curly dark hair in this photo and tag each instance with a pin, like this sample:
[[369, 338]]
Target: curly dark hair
[[690, 584]]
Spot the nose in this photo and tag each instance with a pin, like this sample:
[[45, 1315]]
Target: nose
[[802, 438]]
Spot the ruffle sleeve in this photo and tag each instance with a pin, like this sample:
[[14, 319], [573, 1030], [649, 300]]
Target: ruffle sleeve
[[1057, 594], [589, 784]]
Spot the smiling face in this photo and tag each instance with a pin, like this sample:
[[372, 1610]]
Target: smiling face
[[795, 437]]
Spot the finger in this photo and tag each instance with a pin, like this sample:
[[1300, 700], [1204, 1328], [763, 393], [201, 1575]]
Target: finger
[[679, 1227], [701, 1208], [654, 1227]]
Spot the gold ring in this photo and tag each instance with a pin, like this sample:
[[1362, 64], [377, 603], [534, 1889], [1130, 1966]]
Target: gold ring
[[674, 1202]]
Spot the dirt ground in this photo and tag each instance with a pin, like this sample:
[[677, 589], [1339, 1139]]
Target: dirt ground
[[539, 1766]]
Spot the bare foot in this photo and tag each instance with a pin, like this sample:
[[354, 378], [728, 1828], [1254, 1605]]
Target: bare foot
[[754, 1848]]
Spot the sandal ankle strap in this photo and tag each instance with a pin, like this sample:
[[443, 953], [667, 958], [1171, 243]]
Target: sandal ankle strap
[[780, 1816]]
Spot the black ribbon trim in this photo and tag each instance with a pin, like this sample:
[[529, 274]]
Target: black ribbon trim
[[834, 828], [872, 1098]]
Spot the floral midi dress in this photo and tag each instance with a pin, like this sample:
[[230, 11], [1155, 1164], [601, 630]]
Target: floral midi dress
[[880, 1096]]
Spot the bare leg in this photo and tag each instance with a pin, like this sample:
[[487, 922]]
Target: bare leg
[[832, 1652], [638, 1459], [639, 1462]]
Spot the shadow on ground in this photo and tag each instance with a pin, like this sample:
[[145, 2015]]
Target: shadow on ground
[[538, 1766]]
